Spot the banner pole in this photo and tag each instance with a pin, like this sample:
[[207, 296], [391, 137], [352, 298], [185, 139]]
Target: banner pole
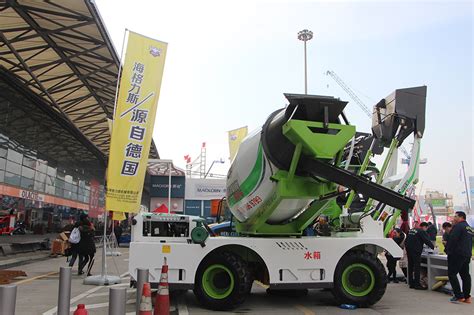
[[119, 75], [169, 188], [103, 272]]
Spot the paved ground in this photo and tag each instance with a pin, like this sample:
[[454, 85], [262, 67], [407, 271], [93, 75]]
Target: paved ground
[[37, 294], [397, 300]]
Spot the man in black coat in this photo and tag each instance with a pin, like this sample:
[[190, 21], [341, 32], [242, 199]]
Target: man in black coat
[[432, 232], [414, 246], [446, 228], [459, 249]]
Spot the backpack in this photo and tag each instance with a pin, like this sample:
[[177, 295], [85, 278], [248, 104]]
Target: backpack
[[75, 236]]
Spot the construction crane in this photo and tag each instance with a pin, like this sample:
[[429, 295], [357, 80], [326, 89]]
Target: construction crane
[[366, 110], [348, 90]]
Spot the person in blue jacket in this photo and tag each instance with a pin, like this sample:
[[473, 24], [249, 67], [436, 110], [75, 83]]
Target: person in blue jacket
[[459, 249]]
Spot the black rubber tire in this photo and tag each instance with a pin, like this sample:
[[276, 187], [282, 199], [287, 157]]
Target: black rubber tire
[[242, 282], [380, 277]]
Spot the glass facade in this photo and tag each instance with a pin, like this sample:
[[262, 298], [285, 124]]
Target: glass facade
[[22, 168], [40, 154]]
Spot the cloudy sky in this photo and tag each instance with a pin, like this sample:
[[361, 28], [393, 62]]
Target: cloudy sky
[[229, 63]]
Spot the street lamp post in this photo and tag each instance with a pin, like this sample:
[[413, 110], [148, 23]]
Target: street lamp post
[[305, 35], [215, 161]]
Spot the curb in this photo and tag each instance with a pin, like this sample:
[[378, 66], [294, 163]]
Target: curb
[[9, 263]]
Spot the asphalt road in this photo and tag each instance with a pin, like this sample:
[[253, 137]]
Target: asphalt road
[[397, 300], [37, 294]]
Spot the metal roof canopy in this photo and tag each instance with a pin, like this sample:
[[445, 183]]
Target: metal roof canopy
[[35, 133], [61, 51]]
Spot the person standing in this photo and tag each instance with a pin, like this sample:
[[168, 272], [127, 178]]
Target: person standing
[[399, 237], [414, 246], [86, 244], [432, 232], [446, 228], [118, 232], [459, 249]]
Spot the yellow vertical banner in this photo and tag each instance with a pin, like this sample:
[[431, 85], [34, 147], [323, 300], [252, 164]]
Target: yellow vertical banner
[[235, 138], [118, 216], [134, 118]]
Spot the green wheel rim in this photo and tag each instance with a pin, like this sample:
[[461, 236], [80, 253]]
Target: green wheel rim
[[358, 280], [218, 281]]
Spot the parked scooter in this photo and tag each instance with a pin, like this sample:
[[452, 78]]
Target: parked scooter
[[20, 228]]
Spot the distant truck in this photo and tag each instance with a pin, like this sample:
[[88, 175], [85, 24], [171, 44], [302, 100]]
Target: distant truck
[[305, 162]]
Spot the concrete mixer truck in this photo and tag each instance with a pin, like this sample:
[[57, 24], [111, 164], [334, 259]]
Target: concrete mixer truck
[[306, 168]]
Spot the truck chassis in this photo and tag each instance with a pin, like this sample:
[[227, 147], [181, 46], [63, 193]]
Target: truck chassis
[[221, 271]]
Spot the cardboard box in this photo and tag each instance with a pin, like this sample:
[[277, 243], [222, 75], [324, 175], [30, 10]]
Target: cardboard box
[[64, 236], [58, 247]]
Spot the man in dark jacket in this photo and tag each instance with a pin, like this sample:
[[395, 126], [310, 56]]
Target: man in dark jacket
[[446, 228], [414, 246], [432, 232], [399, 237], [459, 249]]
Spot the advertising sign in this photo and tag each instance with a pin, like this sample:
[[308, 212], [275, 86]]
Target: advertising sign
[[205, 189], [31, 195], [133, 122], [438, 203], [160, 186], [94, 208], [197, 207]]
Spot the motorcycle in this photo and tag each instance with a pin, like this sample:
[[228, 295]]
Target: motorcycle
[[20, 228]]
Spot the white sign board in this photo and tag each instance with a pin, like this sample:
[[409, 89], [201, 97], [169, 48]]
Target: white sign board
[[31, 195], [204, 189]]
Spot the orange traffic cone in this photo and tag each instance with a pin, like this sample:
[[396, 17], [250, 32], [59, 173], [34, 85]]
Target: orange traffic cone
[[81, 310], [145, 303], [162, 302]]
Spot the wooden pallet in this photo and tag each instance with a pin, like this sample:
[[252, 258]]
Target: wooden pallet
[[6, 276]]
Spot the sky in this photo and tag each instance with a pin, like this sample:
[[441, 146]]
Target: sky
[[229, 63]]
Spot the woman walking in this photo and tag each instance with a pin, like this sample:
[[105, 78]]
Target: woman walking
[[86, 246], [74, 240]]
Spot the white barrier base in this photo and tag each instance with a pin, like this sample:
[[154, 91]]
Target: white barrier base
[[102, 280]]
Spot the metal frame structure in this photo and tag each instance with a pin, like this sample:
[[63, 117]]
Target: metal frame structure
[[31, 128], [60, 50]]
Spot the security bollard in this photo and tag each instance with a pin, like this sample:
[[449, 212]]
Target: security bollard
[[64, 294], [142, 277], [117, 300], [7, 299]]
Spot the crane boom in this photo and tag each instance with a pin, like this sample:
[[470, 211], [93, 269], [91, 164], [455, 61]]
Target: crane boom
[[364, 107], [351, 93]]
